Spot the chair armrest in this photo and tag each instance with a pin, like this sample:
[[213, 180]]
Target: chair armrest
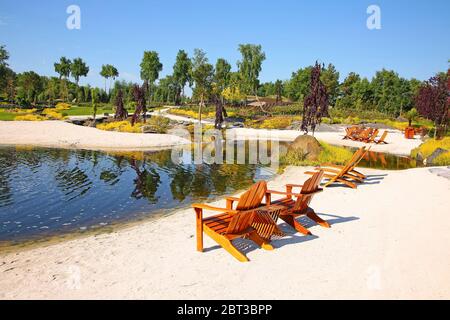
[[230, 201], [294, 185], [284, 193], [208, 207]]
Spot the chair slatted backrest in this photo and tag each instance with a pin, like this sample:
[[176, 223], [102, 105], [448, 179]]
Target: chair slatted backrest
[[363, 152], [351, 162], [240, 222], [365, 134], [383, 136], [311, 185], [253, 197], [374, 135]]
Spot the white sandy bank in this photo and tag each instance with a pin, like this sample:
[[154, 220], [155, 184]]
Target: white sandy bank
[[397, 144], [65, 135], [389, 239]]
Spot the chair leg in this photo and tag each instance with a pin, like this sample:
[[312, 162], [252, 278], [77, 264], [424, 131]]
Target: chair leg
[[296, 225], [313, 216], [199, 229], [226, 244], [260, 241]]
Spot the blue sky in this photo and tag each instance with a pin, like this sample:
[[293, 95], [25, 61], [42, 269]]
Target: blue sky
[[414, 39]]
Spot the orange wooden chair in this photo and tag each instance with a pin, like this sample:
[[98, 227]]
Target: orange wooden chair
[[352, 172], [300, 206], [349, 132], [232, 223], [381, 140], [372, 136], [364, 135], [343, 175]]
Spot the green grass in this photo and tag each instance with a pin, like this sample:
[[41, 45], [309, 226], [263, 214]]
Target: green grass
[[329, 154], [86, 110], [8, 116], [429, 146]]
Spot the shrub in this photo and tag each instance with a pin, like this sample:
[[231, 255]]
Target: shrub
[[276, 123], [62, 106], [52, 114], [329, 154], [121, 126], [29, 117], [160, 124], [428, 147]]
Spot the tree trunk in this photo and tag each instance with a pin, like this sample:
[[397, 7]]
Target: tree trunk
[[200, 109]]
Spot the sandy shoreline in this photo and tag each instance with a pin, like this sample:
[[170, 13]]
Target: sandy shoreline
[[60, 134], [389, 239]]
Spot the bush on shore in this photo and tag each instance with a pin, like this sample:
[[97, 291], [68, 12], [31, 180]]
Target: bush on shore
[[428, 147]]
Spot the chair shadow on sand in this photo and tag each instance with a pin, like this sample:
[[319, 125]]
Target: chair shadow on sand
[[369, 180], [292, 237]]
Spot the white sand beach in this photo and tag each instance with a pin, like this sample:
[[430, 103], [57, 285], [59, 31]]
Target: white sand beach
[[389, 240], [61, 134]]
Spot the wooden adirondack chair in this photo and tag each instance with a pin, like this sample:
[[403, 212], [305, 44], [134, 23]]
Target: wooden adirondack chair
[[300, 207], [352, 172], [343, 176], [349, 132], [372, 136], [381, 140], [364, 135], [232, 223]]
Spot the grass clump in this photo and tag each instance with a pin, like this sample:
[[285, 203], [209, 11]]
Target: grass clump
[[159, 124], [52, 114], [329, 154], [121, 126], [429, 146], [29, 117]]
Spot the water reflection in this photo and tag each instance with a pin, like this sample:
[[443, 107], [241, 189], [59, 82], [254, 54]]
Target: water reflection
[[51, 191]]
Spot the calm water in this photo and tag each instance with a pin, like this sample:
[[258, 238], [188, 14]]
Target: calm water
[[52, 191], [44, 192]]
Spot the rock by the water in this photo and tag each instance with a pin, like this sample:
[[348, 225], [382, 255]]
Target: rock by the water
[[309, 145], [434, 155]]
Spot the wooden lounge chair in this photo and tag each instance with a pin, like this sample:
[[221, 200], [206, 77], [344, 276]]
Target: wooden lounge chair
[[364, 135], [349, 132], [232, 223], [381, 140], [300, 207], [352, 172], [343, 175], [372, 136]]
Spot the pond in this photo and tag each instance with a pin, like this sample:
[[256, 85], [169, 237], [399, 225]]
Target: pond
[[46, 192]]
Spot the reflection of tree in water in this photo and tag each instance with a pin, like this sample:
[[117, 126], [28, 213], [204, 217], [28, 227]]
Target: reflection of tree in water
[[181, 183], [146, 182], [8, 164], [73, 183]]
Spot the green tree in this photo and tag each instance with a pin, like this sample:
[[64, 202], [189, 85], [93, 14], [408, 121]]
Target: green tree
[[181, 73], [222, 75], [278, 86], [109, 72], [202, 75], [63, 69], [330, 78], [298, 86], [150, 69], [250, 66], [30, 85], [4, 56], [78, 69], [94, 100]]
